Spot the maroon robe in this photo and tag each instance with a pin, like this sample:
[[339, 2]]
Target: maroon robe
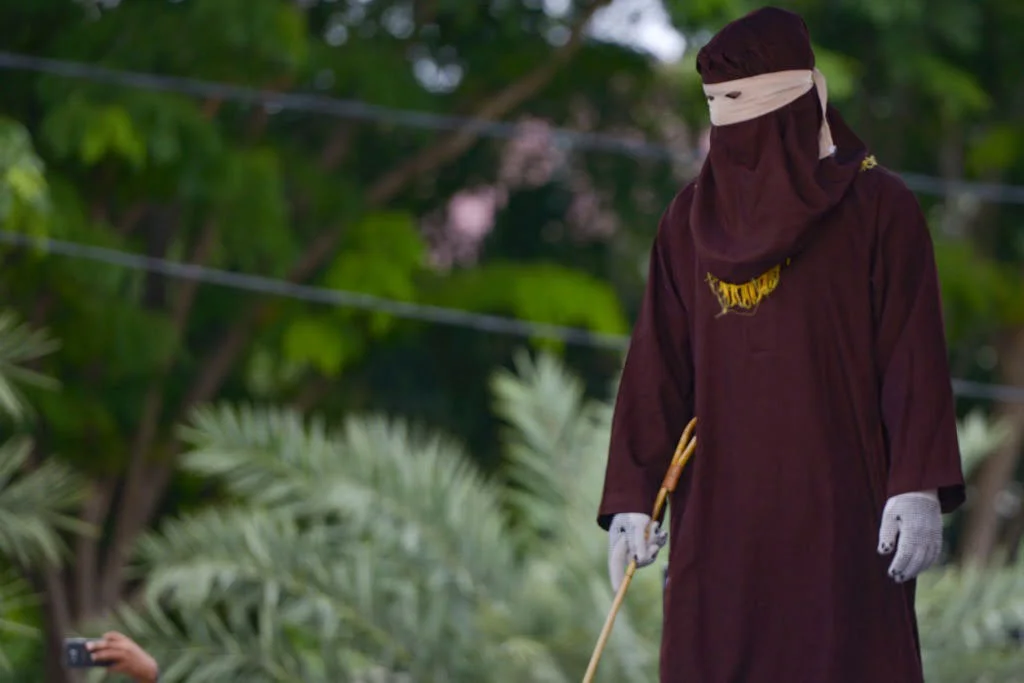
[[830, 396]]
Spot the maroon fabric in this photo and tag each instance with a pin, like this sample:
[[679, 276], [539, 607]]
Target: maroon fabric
[[762, 188], [833, 396]]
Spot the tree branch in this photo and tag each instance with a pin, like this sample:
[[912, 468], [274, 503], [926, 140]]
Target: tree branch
[[145, 479], [215, 368], [57, 619], [130, 219], [94, 512], [338, 145]]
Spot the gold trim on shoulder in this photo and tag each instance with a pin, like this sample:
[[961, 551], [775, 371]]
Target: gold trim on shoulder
[[744, 298]]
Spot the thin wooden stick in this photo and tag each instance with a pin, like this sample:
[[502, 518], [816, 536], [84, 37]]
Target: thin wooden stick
[[684, 449]]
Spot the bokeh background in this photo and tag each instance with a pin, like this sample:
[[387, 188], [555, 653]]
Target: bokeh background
[[312, 311]]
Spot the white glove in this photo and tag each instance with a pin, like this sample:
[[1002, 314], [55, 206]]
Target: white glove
[[628, 540], [916, 519]]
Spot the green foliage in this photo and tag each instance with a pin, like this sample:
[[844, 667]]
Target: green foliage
[[995, 149], [541, 292], [385, 254], [89, 133], [251, 210], [959, 92], [20, 345], [24, 199], [321, 342], [841, 72], [34, 506], [374, 547], [17, 607], [979, 437], [977, 292], [971, 621], [178, 135], [36, 502], [274, 32]]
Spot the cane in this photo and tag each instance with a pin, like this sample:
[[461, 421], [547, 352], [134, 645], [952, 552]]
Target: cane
[[684, 449]]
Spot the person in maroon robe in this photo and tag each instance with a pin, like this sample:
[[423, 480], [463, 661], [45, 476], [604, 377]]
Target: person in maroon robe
[[792, 305]]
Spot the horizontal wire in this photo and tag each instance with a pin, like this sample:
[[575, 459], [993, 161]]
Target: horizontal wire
[[400, 309], [358, 110]]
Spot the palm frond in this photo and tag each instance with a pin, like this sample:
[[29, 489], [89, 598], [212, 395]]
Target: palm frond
[[35, 506], [374, 471], [16, 598], [971, 624], [555, 443], [19, 345], [556, 449], [382, 542], [34, 502]]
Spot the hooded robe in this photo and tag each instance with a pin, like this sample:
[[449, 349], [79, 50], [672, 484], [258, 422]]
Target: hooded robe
[[792, 305]]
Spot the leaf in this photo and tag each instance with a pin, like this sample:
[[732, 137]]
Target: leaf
[[976, 292], [178, 135], [19, 345], [253, 213], [840, 71], [34, 507], [269, 32], [321, 342], [388, 233], [958, 91], [93, 132], [384, 254], [16, 604], [24, 193], [994, 150], [536, 292]]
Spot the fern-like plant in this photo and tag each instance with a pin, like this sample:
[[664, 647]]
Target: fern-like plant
[[375, 552], [35, 501]]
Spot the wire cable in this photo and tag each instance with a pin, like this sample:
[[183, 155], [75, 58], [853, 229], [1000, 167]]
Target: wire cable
[[321, 104], [358, 110], [322, 295], [400, 309]]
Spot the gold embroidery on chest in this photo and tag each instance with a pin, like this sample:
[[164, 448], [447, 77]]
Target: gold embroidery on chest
[[744, 298]]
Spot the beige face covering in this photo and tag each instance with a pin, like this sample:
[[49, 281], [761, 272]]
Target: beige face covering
[[749, 98]]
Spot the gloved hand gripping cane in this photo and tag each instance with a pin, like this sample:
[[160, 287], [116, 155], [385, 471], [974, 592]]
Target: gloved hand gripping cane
[[684, 449]]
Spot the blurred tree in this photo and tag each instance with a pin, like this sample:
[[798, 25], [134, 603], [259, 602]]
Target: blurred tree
[[338, 202], [378, 552]]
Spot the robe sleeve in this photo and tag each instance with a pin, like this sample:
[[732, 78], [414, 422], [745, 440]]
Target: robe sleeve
[[917, 407], [654, 400]]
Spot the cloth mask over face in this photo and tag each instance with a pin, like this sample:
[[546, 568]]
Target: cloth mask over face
[[780, 157]]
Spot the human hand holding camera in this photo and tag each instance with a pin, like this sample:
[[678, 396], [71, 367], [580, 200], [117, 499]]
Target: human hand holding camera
[[124, 656]]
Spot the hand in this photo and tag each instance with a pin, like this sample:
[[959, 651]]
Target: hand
[[628, 540], [125, 657], [916, 520]]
